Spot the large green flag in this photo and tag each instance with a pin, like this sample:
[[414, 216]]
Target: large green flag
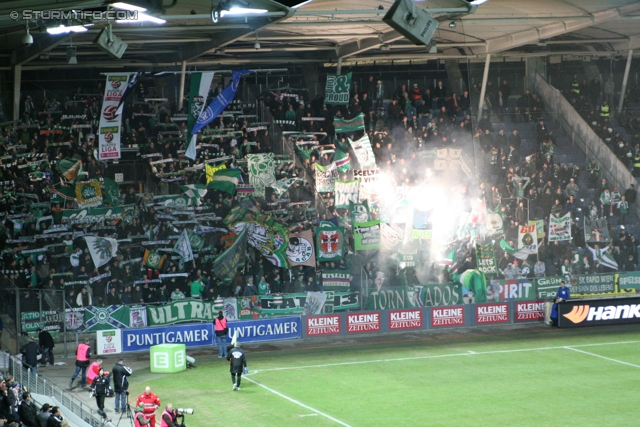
[[359, 211], [198, 91], [109, 317], [366, 235], [338, 88], [62, 195], [111, 192], [70, 168], [270, 238], [342, 161], [225, 180], [346, 126], [229, 261]]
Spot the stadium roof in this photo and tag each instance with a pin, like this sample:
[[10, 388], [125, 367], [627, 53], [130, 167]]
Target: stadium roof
[[322, 31]]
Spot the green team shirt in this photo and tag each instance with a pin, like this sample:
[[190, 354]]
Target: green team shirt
[[196, 289], [263, 287]]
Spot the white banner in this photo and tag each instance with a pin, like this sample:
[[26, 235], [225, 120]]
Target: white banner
[[559, 228], [528, 238], [345, 192], [109, 342], [111, 117]]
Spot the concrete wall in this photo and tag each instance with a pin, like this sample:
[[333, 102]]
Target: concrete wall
[[585, 138]]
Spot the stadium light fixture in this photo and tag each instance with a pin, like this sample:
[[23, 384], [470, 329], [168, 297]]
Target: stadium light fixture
[[65, 30], [127, 6], [477, 2], [142, 17], [242, 11]]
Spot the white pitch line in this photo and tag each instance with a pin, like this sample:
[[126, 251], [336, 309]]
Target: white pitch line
[[292, 400], [361, 362], [604, 357]]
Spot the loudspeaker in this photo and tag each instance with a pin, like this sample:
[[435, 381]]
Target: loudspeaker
[[113, 45], [411, 21]]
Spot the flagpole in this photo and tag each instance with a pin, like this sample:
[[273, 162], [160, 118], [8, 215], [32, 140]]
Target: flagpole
[[268, 71]]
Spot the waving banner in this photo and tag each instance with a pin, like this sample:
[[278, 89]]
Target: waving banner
[[359, 211], [528, 238], [325, 178], [262, 172], [559, 228], [486, 259], [88, 194], [102, 249], [301, 250], [364, 152], [198, 91], [329, 243], [366, 235], [232, 259], [271, 240], [596, 230], [493, 221], [347, 126], [347, 192], [338, 89], [111, 117]]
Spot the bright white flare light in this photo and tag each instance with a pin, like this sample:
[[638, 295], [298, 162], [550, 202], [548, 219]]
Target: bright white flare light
[[301, 4], [65, 30], [477, 2], [242, 11]]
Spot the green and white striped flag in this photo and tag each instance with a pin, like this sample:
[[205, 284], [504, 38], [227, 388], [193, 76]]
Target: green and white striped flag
[[225, 180], [605, 258], [281, 186], [194, 192], [183, 247], [198, 91]]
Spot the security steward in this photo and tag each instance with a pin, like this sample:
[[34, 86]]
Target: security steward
[[636, 165], [604, 111], [83, 360], [150, 402], [575, 87], [169, 417]]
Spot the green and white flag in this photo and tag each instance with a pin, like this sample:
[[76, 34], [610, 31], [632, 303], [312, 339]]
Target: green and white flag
[[102, 249], [364, 152], [262, 172], [88, 194], [493, 221], [359, 211], [271, 239], [338, 89], [196, 241], [104, 318], [225, 180], [347, 192], [604, 257], [281, 186], [198, 91], [183, 247], [111, 192], [346, 126], [174, 201], [194, 192], [227, 264], [70, 168], [366, 235], [325, 177], [342, 161]]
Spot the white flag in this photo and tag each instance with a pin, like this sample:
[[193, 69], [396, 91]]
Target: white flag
[[102, 249], [183, 247]]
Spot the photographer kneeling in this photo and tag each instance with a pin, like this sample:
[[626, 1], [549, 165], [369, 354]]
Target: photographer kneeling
[[169, 417]]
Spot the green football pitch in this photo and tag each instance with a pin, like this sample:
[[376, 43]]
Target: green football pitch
[[523, 378]]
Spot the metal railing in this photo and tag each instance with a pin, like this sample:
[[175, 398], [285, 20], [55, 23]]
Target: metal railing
[[39, 384]]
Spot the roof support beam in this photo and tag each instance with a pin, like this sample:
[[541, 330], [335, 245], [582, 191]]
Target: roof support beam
[[41, 45], [196, 50], [358, 46]]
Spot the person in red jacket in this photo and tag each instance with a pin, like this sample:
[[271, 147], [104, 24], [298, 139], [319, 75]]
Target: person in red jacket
[[151, 402]]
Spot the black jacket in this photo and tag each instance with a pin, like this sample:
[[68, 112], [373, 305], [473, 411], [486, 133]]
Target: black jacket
[[45, 340], [100, 384], [28, 414], [237, 359], [54, 421], [30, 352], [120, 374]]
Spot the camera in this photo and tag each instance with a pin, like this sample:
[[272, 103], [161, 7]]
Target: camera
[[27, 40], [183, 411]]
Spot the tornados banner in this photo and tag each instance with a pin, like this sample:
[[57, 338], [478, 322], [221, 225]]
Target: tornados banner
[[329, 243], [111, 117], [347, 192]]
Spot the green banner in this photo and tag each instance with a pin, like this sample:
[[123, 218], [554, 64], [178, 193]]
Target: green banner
[[109, 317], [629, 280], [337, 90], [508, 290], [228, 262], [407, 258], [48, 320], [366, 235], [336, 280], [439, 294], [398, 297], [270, 306], [583, 286], [486, 259], [346, 126], [186, 310]]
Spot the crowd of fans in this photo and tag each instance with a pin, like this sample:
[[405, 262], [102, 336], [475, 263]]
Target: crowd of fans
[[401, 125]]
